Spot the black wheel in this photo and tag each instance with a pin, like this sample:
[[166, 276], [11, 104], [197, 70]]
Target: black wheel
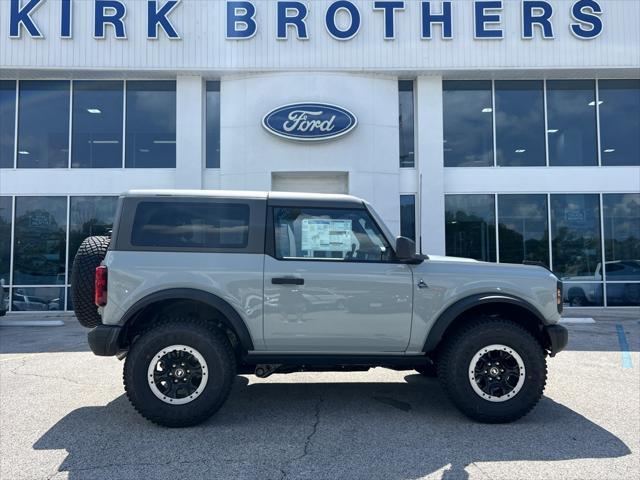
[[179, 372], [90, 254], [428, 370], [493, 370]]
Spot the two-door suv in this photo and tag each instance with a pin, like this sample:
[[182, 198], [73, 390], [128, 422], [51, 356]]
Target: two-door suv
[[194, 287]]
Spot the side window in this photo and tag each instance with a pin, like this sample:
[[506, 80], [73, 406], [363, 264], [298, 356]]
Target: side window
[[190, 225], [335, 234]]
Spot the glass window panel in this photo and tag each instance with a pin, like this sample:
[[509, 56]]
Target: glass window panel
[[523, 228], [213, 124], [575, 223], [89, 216], [619, 122], [583, 294], [43, 124], [97, 124], [622, 236], [520, 123], [191, 225], [37, 299], [406, 124], [318, 233], [623, 294], [470, 226], [7, 122], [468, 124], [408, 216], [5, 299], [69, 299], [151, 124], [571, 122], [5, 239], [40, 237]]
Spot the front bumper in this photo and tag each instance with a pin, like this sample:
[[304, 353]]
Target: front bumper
[[103, 340], [558, 337]]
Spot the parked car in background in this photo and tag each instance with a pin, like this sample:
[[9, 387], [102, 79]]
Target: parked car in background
[[616, 271]]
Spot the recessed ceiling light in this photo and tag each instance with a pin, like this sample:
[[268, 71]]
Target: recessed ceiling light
[[487, 110], [520, 150], [552, 130], [163, 141], [100, 142], [94, 110], [23, 152], [593, 103], [144, 150], [609, 150]]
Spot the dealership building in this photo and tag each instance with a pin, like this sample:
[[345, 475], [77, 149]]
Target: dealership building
[[497, 130]]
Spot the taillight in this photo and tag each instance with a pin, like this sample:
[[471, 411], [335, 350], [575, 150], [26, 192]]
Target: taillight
[[101, 286]]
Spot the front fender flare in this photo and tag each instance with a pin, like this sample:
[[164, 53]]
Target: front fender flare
[[454, 310]]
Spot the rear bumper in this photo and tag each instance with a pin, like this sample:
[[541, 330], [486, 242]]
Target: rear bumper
[[103, 340], [558, 338]]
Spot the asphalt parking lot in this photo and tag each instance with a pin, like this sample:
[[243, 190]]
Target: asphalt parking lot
[[63, 414]]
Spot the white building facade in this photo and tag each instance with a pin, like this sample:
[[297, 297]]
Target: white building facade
[[502, 130]]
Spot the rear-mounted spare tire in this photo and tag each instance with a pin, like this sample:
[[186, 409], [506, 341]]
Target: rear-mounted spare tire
[[90, 255]]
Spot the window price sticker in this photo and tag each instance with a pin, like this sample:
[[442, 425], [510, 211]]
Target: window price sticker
[[326, 235]]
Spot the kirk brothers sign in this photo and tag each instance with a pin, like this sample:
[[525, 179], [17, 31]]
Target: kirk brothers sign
[[342, 18]]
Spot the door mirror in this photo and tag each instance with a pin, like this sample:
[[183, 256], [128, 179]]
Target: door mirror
[[405, 248], [406, 251]]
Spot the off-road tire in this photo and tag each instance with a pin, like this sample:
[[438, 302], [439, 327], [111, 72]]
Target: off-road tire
[[210, 342], [429, 370], [90, 254], [454, 363]]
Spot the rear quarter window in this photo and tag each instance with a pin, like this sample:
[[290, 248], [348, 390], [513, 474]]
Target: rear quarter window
[[190, 225]]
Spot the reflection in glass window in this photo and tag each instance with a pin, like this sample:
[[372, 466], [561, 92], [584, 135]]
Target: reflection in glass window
[[39, 247], [623, 294], [468, 124], [408, 216], [5, 238], [589, 294], [213, 125], [619, 122], [571, 122], [97, 124], [406, 124], [37, 299], [345, 235], [470, 226], [89, 216], [151, 124], [523, 230], [622, 236], [520, 123], [575, 223], [7, 122], [43, 124]]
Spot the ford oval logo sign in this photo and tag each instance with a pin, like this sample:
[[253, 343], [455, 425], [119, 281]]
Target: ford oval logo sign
[[309, 121]]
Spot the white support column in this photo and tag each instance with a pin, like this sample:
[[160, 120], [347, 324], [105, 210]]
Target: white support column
[[430, 163], [190, 131]]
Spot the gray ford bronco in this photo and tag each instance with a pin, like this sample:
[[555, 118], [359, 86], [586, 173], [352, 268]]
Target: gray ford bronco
[[194, 287]]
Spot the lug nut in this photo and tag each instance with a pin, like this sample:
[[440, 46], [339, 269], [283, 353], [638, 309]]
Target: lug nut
[[188, 371], [174, 365], [182, 364], [175, 381]]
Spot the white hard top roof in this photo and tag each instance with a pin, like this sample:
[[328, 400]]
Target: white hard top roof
[[326, 197]]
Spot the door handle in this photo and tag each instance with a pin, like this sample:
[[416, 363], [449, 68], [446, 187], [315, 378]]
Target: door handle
[[287, 281], [422, 284]]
